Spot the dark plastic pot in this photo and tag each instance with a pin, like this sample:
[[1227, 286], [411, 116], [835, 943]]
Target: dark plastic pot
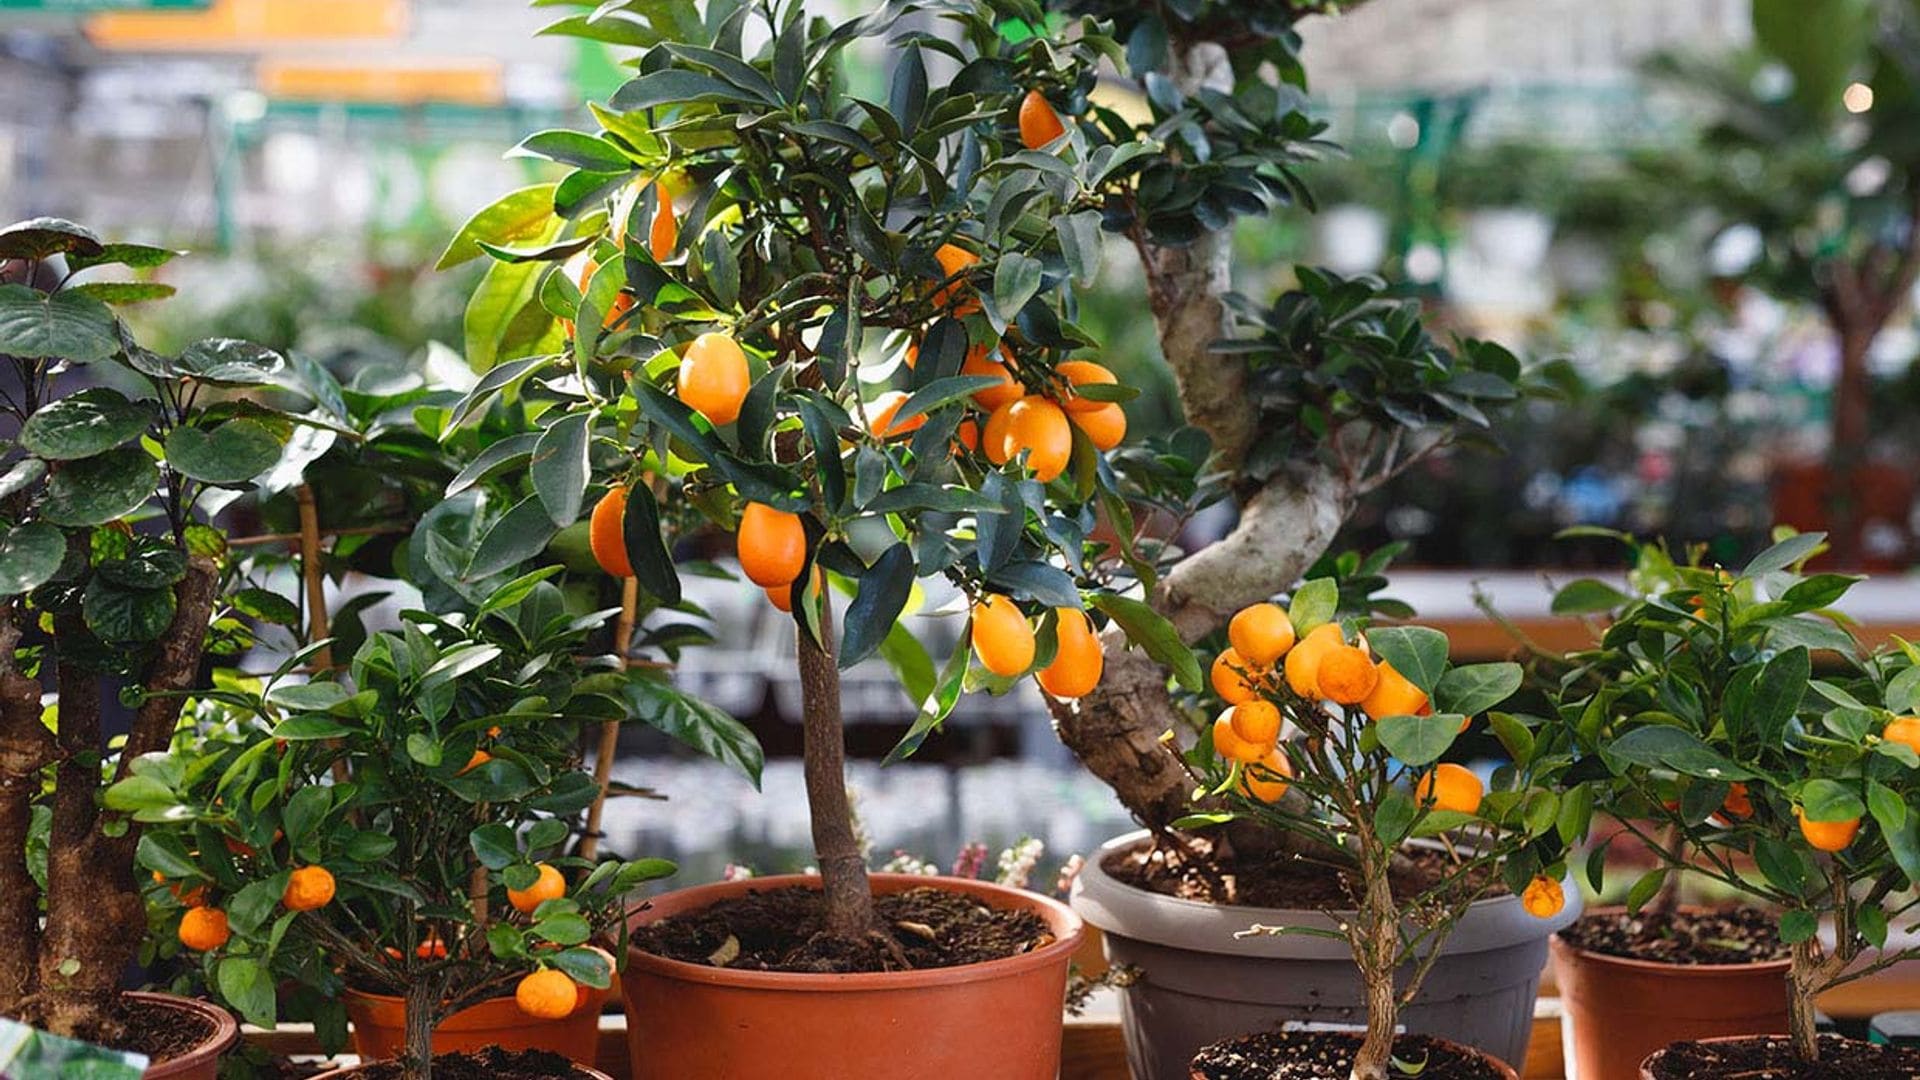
[[1198, 984], [203, 1061], [998, 1020], [1619, 1011], [1506, 1071]]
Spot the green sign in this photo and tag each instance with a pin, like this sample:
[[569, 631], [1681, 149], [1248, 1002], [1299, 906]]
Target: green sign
[[89, 7]]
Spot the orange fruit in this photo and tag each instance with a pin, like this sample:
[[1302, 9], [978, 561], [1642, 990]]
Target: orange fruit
[[1234, 679], [548, 886], [1082, 373], [1267, 779], [204, 929], [1827, 835], [781, 596], [1230, 746], [1346, 675], [479, 758], [1393, 695], [1904, 730], [1039, 428], [1039, 124], [1738, 803], [1261, 632], [1451, 787], [880, 413], [772, 545], [1543, 897], [1002, 638], [308, 888], [581, 267], [664, 234], [546, 994], [431, 949], [195, 896], [713, 378], [968, 435], [954, 259], [1303, 660], [1106, 426], [985, 362], [1257, 721], [993, 437], [1077, 661], [606, 533]]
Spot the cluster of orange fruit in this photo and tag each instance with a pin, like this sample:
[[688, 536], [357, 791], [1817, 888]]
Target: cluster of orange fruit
[[1832, 836], [1003, 640], [204, 927]]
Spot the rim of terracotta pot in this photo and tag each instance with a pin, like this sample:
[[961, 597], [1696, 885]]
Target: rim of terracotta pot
[[1507, 1071], [345, 1072], [226, 1031], [1496, 922], [1646, 1066], [1562, 947], [1067, 928]]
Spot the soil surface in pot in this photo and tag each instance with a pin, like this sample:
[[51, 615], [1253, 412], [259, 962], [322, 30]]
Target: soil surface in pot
[[1741, 935], [1328, 1055], [780, 930], [491, 1063], [1200, 874], [1771, 1058], [159, 1032]]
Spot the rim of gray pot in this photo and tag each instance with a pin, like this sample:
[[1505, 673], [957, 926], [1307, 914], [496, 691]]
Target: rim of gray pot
[[1117, 908]]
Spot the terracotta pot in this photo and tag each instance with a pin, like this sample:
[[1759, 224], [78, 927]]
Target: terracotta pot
[[1505, 1070], [203, 1061], [1617, 1011], [1646, 1067], [380, 1027], [580, 1072], [999, 1019], [1198, 984]]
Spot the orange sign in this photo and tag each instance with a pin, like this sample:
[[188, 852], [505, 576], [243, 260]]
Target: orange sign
[[462, 82], [246, 25]]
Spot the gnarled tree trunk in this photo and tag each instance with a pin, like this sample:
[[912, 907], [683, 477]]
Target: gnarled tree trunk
[[843, 869]]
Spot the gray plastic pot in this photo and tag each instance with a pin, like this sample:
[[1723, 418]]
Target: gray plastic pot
[[1197, 984]]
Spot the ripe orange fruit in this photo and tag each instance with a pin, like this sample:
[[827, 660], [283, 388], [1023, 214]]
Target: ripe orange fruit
[[479, 758], [1234, 679], [1077, 661], [954, 259], [1261, 632], [606, 533], [204, 929], [1039, 124], [781, 596], [548, 886], [1543, 897], [772, 545], [1002, 638], [664, 234], [1106, 426], [546, 994], [1904, 730], [1738, 803], [308, 888], [1257, 721], [1346, 675], [713, 378], [1827, 835], [1039, 428], [581, 268], [1393, 695], [1303, 660], [1083, 373], [1451, 787], [985, 362], [968, 435], [1230, 746], [880, 413], [188, 897], [993, 437], [1267, 779]]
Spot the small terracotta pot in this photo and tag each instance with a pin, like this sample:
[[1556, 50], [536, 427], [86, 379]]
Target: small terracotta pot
[[1505, 1070], [1646, 1067], [580, 1072], [203, 1061], [380, 1027], [999, 1019], [1618, 1011]]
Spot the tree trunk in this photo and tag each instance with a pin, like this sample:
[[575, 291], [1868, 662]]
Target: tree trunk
[[1802, 978], [423, 1015], [1380, 922], [843, 869], [25, 748]]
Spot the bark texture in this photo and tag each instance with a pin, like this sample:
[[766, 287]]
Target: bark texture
[[843, 869], [25, 748]]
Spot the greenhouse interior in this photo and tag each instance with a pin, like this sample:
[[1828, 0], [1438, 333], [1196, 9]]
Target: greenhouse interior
[[915, 539]]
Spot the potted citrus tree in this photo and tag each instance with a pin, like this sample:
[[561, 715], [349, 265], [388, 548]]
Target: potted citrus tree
[[1787, 783], [430, 896], [112, 585], [1336, 732]]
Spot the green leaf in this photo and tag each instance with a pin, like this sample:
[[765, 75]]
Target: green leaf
[[574, 148], [135, 256], [647, 546], [910, 662], [494, 845], [1394, 819], [24, 474], [116, 614], [1416, 652], [68, 325], [1830, 800], [936, 705], [941, 392], [875, 610], [1783, 554], [696, 723], [675, 86], [1313, 604], [232, 363], [1783, 866], [1475, 688], [1887, 807], [559, 467], [30, 555], [1587, 597], [1151, 631], [124, 292], [491, 325], [520, 534], [1778, 692], [308, 697], [460, 661], [1664, 747], [247, 985], [309, 727], [1644, 888], [37, 238], [586, 967], [1015, 281], [167, 854], [1798, 925], [563, 929], [425, 749], [1418, 740], [498, 455], [306, 809], [137, 793], [85, 424], [266, 606], [228, 456]]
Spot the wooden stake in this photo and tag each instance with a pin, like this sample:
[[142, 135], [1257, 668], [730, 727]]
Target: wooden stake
[[610, 729]]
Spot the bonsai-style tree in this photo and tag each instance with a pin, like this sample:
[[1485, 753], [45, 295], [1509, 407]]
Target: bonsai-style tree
[[1355, 724], [1698, 711], [111, 579], [438, 872]]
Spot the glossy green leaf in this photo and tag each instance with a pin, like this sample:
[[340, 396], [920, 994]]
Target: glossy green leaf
[[30, 555], [229, 455], [85, 424], [66, 325]]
